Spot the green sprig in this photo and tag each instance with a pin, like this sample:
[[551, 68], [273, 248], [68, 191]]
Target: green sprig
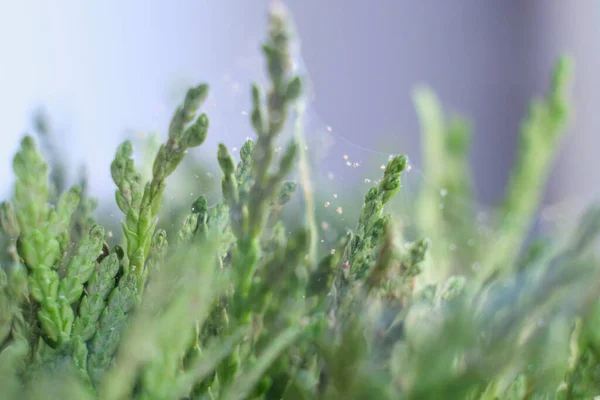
[[141, 205]]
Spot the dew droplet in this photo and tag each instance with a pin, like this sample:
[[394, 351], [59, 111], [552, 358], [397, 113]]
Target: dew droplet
[[443, 192]]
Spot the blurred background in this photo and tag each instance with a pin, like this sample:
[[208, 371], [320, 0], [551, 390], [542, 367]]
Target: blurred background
[[108, 70]]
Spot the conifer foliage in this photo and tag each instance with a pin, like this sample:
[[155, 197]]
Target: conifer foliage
[[238, 306]]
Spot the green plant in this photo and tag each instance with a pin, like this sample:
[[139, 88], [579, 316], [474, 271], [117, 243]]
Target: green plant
[[237, 305]]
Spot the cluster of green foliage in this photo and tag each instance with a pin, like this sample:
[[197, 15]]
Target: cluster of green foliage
[[236, 305]]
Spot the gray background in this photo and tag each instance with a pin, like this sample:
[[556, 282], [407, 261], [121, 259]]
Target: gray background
[[106, 69]]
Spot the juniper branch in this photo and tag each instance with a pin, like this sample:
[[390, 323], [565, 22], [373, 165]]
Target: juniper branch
[[540, 135], [248, 217], [141, 205], [359, 254], [443, 206], [43, 239]]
